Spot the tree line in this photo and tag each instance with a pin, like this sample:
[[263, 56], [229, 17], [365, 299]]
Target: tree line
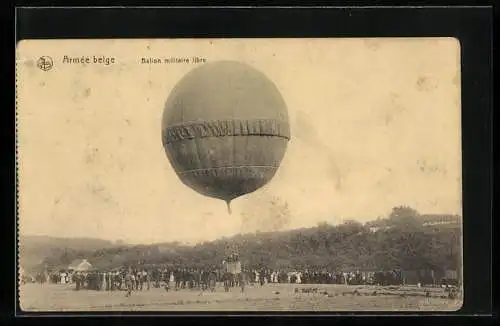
[[401, 241]]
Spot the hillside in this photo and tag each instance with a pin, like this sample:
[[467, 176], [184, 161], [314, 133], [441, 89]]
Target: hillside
[[407, 243], [33, 248]]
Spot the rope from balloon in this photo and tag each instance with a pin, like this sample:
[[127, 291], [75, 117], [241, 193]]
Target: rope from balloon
[[228, 203]]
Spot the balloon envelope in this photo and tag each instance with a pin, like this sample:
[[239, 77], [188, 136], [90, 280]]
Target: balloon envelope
[[225, 129]]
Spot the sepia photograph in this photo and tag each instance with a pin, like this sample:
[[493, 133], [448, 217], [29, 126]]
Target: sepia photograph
[[227, 174]]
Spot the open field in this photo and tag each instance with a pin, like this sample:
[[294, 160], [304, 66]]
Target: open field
[[272, 297]]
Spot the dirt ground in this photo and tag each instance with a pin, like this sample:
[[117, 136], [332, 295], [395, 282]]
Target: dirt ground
[[270, 297]]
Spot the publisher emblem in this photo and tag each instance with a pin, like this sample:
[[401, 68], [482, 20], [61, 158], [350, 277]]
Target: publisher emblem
[[45, 63]]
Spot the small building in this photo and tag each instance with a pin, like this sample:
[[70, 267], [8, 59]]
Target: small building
[[374, 229], [440, 219]]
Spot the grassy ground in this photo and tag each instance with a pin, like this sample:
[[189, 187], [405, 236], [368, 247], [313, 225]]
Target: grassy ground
[[270, 297]]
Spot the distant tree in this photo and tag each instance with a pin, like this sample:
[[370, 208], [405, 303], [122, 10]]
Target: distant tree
[[403, 211], [404, 217], [67, 257], [348, 245]]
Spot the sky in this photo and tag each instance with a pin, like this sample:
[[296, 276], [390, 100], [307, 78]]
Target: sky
[[375, 123]]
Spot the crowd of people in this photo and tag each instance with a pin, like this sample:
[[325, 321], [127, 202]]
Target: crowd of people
[[140, 279]]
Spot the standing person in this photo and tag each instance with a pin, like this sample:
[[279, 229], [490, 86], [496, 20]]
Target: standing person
[[177, 278], [167, 283], [111, 280], [190, 279], [198, 278], [213, 279], [183, 278], [262, 275], [141, 279], [78, 280], [129, 282], [136, 277], [121, 279], [156, 277], [171, 276], [114, 279], [118, 280], [133, 279], [102, 281], [242, 280]]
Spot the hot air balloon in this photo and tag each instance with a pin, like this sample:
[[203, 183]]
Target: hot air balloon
[[225, 129]]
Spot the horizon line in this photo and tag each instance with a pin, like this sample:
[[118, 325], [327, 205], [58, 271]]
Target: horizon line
[[192, 241]]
